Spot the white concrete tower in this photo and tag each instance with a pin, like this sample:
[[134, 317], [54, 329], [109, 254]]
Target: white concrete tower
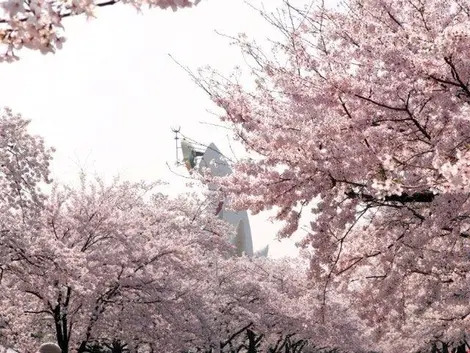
[[213, 159]]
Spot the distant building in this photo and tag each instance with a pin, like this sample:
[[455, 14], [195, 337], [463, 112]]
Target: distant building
[[213, 159]]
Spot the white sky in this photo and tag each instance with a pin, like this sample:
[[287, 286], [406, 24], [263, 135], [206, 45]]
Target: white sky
[[107, 101]]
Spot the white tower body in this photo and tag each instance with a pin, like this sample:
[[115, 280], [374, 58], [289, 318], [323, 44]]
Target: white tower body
[[212, 159]]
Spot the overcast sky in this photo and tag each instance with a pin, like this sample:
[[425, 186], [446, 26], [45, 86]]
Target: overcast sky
[[107, 101]]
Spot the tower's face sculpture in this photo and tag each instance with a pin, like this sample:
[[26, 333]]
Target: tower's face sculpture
[[189, 154]]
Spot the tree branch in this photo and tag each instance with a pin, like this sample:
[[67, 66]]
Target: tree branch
[[68, 13], [425, 196]]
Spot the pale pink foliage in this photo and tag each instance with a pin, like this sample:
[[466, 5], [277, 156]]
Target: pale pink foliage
[[367, 109], [117, 261], [37, 24], [24, 166]]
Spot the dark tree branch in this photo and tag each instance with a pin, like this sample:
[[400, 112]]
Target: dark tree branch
[[456, 76], [231, 338], [69, 12], [399, 109], [425, 196]]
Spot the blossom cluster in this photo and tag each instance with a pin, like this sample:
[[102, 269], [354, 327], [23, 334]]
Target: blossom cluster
[[362, 115], [38, 24]]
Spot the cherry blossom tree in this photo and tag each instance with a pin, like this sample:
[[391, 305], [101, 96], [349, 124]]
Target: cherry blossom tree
[[24, 167], [38, 24], [121, 265], [359, 122]]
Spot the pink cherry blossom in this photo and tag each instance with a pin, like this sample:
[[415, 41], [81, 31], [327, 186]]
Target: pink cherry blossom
[[37, 24], [24, 166], [123, 262], [359, 125]]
